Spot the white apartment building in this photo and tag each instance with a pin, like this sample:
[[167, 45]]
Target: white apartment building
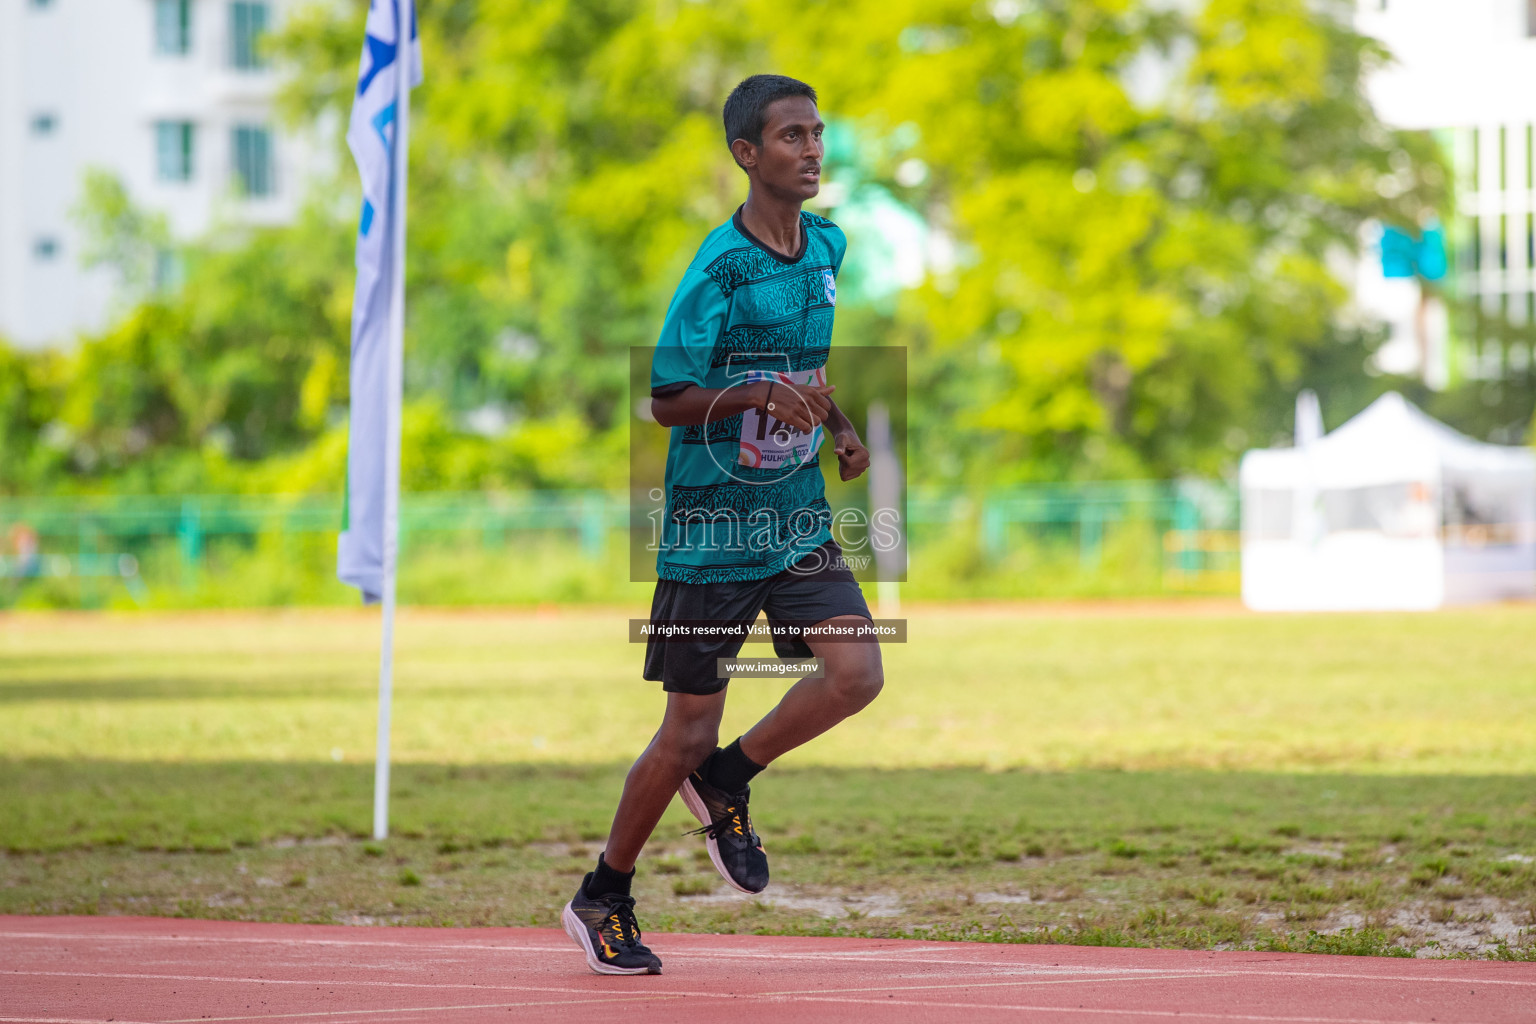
[[1467, 70], [175, 97]]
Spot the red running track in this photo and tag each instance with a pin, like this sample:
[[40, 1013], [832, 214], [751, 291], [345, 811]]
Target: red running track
[[127, 970]]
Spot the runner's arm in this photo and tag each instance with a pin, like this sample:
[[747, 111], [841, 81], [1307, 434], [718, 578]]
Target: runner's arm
[[837, 421], [696, 405], [852, 456]]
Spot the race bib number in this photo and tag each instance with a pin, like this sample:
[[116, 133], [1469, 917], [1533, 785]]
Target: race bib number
[[768, 442]]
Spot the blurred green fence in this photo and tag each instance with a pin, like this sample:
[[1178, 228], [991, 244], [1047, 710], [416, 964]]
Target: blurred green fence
[[1125, 537]]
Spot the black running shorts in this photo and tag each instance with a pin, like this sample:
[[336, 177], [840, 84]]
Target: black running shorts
[[788, 597]]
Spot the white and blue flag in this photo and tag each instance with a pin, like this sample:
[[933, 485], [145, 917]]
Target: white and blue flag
[[372, 475]]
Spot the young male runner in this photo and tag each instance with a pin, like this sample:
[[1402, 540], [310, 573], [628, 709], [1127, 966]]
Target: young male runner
[[739, 376]]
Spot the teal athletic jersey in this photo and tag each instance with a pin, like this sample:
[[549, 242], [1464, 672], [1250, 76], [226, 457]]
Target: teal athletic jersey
[[744, 494]]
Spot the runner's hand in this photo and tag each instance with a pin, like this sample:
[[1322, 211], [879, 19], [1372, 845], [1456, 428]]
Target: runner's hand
[[852, 456], [802, 406]]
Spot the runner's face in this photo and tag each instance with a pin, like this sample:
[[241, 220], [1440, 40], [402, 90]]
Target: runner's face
[[789, 160]]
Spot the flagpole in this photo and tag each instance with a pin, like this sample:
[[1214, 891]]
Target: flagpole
[[392, 412]]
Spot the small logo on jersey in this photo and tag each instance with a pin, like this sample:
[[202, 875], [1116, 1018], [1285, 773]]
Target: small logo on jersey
[[830, 283]]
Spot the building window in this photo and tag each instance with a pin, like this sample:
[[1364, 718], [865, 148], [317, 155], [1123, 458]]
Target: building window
[[173, 150], [247, 24], [169, 270], [253, 160], [44, 124], [173, 27], [45, 247]]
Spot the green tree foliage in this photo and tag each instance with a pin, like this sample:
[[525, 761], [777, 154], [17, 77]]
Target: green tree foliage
[[30, 456], [1143, 205], [1142, 273], [243, 361], [118, 234]]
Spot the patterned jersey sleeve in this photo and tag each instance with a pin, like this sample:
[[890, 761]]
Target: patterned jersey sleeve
[[839, 243], [688, 336]]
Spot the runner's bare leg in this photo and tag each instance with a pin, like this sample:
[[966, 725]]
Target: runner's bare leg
[[852, 679], [689, 732]]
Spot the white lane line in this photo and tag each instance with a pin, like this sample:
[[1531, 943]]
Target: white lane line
[[853, 995], [889, 985], [704, 954], [1014, 1008], [811, 993], [309, 982], [139, 975], [509, 948], [787, 996], [321, 1014], [1216, 969]]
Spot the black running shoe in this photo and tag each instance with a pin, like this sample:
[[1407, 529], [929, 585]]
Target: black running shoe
[[733, 846], [606, 931]]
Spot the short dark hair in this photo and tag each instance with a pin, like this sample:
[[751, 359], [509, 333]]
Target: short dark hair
[[746, 109]]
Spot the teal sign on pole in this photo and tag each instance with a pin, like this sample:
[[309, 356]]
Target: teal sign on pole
[[1402, 255]]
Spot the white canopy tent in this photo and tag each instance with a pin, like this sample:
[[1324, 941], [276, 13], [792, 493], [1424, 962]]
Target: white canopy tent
[[1393, 510]]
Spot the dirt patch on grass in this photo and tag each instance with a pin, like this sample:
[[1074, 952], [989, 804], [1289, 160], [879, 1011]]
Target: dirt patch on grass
[[832, 906], [1477, 927]]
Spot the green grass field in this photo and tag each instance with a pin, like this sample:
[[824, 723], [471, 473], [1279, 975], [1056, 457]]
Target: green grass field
[[1173, 774]]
